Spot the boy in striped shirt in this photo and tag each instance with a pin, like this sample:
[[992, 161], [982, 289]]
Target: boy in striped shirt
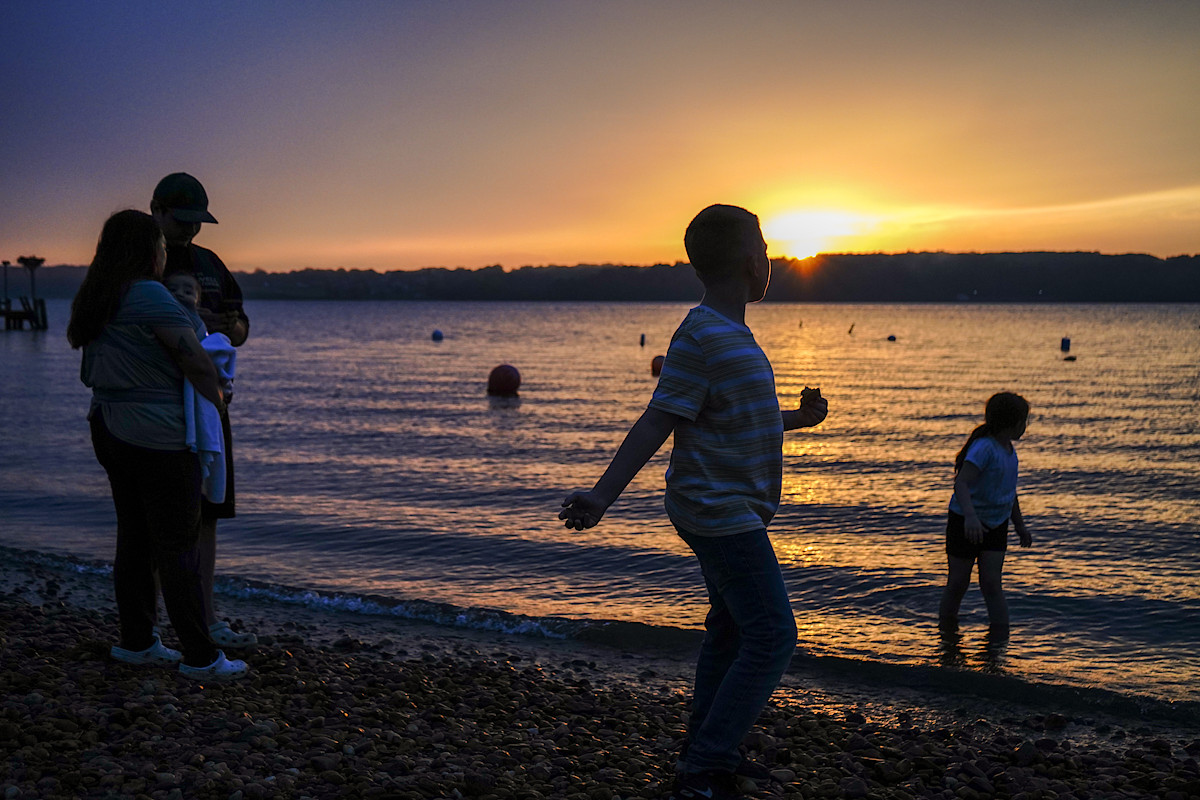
[[716, 394]]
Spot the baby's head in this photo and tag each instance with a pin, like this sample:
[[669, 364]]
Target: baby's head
[[186, 289]]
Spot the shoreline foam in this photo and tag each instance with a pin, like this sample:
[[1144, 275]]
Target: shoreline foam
[[326, 609]]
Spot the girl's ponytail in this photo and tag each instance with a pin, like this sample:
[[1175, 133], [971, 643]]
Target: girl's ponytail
[[978, 433]]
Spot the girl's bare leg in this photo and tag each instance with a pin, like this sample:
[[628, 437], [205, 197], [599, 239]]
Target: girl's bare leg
[[958, 578], [991, 563]]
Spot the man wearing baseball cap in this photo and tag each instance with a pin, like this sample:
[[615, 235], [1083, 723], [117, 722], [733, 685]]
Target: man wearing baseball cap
[[180, 206]]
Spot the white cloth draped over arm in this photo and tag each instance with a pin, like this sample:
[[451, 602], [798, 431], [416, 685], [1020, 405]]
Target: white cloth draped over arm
[[204, 435]]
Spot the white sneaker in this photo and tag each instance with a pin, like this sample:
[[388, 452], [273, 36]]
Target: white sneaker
[[220, 670], [157, 653], [225, 636]]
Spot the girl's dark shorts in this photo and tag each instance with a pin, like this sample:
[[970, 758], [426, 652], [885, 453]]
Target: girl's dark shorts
[[995, 539]]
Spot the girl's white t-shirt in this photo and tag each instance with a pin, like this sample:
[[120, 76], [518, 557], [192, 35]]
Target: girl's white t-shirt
[[996, 489]]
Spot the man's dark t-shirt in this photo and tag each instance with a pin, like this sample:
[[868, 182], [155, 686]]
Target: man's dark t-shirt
[[219, 291]]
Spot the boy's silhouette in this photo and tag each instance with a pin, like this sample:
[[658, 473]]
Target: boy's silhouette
[[716, 394]]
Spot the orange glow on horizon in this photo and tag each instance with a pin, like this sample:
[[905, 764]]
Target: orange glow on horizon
[[415, 135], [850, 223], [1109, 225]]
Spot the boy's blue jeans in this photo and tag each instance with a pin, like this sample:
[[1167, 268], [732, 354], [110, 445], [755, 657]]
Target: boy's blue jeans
[[751, 634]]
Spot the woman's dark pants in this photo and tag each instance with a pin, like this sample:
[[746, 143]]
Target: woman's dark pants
[[157, 498]]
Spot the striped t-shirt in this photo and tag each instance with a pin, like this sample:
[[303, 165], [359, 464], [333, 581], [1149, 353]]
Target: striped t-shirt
[[727, 460]]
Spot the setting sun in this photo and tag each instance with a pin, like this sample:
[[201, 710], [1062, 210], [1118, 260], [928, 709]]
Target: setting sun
[[801, 234], [472, 134]]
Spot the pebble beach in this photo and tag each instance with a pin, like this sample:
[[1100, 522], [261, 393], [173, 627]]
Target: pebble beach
[[351, 707]]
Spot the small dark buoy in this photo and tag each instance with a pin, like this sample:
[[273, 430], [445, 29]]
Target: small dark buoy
[[656, 364], [892, 338], [1065, 345], [642, 343], [504, 381], [437, 335]]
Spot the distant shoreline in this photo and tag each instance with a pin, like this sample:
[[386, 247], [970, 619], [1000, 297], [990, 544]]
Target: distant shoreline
[[870, 278]]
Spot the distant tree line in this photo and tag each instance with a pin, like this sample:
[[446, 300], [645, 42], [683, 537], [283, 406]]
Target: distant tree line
[[990, 277], [893, 278]]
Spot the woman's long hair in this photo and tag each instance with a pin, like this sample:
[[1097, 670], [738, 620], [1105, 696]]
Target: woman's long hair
[[124, 254], [1003, 410]]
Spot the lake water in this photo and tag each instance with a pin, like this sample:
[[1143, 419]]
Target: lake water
[[374, 474]]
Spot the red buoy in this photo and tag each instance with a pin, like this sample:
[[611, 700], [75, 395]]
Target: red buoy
[[656, 364], [504, 381]]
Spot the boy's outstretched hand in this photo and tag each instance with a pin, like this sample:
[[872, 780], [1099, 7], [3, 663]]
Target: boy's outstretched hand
[[582, 510], [812, 412]]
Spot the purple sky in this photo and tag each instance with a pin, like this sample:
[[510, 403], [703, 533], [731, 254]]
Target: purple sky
[[393, 135]]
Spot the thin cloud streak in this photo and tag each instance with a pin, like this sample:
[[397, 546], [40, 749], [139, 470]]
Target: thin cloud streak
[[1116, 222]]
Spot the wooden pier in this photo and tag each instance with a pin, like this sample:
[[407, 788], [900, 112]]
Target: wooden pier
[[31, 310]]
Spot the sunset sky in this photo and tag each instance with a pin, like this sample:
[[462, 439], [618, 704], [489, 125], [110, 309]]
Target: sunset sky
[[397, 135]]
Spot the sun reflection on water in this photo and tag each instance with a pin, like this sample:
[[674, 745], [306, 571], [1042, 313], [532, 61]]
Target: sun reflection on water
[[795, 553]]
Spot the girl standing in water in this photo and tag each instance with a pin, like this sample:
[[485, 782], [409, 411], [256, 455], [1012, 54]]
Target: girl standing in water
[[985, 499]]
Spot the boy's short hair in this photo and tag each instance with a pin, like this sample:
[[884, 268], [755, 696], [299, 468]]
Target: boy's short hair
[[719, 237]]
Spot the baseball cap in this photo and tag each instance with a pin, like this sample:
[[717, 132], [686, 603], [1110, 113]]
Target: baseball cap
[[184, 197]]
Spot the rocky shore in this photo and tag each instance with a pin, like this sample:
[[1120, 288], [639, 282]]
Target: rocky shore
[[366, 709]]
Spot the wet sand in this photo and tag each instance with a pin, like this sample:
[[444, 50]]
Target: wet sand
[[344, 705]]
